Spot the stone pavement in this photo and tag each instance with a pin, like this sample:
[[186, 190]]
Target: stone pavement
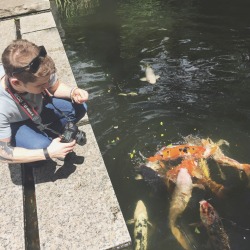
[[75, 202]]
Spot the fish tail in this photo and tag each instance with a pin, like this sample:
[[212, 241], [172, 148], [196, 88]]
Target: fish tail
[[216, 188], [179, 236], [246, 168], [221, 142]]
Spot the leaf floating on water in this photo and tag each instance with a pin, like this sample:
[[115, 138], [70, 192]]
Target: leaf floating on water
[[128, 94], [197, 230], [132, 154], [132, 93]]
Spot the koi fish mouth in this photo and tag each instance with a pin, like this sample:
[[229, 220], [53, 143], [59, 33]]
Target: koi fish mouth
[[203, 203]]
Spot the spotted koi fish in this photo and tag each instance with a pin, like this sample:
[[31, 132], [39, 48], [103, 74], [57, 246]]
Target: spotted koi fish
[[141, 223], [174, 152], [212, 222]]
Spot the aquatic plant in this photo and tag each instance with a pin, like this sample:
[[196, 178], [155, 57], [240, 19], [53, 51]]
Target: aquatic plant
[[70, 8]]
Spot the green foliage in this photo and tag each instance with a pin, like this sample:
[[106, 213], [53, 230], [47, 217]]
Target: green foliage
[[71, 8]]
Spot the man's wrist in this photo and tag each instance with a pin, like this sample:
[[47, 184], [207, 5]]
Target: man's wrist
[[72, 93], [46, 153]]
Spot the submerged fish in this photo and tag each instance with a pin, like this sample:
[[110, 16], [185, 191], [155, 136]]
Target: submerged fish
[[150, 75], [141, 226], [212, 222], [152, 178], [180, 199], [220, 158]]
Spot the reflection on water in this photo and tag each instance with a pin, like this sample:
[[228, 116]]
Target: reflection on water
[[200, 49]]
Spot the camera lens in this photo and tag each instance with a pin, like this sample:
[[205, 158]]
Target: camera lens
[[81, 138]]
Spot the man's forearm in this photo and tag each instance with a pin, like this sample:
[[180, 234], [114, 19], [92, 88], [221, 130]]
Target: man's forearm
[[9, 154], [63, 91]]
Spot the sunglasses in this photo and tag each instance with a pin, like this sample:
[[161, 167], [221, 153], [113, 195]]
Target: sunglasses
[[33, 66]]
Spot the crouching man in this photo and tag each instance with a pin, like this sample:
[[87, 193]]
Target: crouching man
[[35, 106]]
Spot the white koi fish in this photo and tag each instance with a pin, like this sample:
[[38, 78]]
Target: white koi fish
[[150, 75], [181, 196]]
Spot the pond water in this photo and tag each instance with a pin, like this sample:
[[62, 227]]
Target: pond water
[[201, 51]]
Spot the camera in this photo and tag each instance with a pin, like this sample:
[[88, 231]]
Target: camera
[[71, 132]]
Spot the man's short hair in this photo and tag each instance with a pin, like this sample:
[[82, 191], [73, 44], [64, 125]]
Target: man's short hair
[[19, 54]]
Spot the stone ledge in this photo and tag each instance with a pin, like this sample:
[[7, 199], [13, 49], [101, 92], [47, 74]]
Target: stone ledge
[[18, 7], [11, 207], [81, 210]]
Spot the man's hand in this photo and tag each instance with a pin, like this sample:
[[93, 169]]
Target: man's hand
[[57, 149], [61, 90], [79, 95]]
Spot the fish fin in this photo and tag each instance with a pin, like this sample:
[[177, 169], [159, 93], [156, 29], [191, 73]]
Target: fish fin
[[221, 142], [157, 77], [138, 177], [131, 221], [222, 175], [199, 186], [150, 224], [143, 157], [143, 79]]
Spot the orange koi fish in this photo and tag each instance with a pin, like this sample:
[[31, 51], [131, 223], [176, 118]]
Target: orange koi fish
[[213, 224], [174, 152]]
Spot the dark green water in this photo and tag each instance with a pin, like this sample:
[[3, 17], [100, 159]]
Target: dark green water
[[201, 50]]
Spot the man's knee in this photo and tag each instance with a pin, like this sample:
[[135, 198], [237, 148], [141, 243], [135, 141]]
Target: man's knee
[[80, 110], [33, 143]]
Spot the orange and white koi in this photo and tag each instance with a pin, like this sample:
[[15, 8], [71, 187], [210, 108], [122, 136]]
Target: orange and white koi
[[212, 222], [180, 151]]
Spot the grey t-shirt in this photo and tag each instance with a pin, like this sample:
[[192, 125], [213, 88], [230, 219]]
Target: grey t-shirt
[[11, 112]]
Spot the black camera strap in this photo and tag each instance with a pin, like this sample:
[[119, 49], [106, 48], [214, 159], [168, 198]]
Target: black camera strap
[[30, 111]]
